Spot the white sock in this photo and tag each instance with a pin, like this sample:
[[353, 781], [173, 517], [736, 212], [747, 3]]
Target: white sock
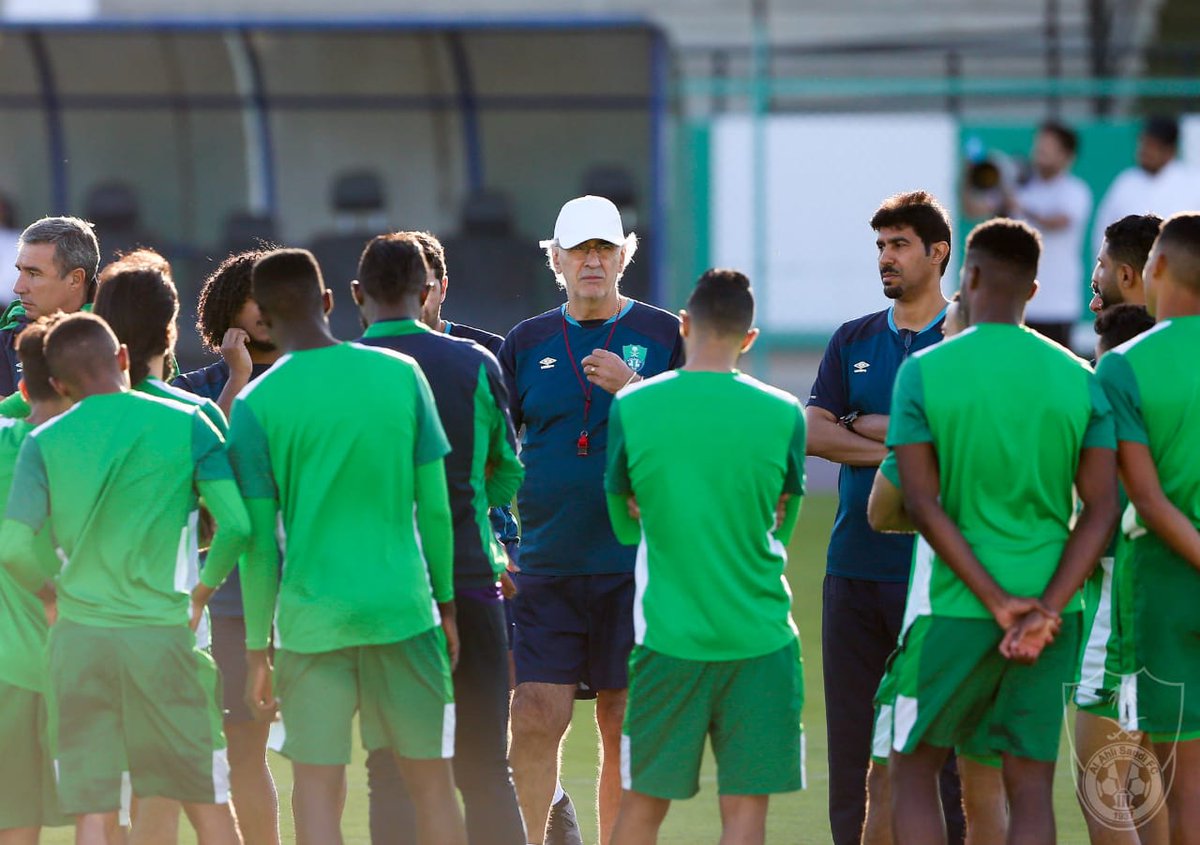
[[558, 793]]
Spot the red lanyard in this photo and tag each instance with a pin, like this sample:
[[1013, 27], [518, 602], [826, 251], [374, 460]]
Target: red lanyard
[[581, 444]]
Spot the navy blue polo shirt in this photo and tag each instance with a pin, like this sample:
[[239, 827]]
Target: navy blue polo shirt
[[563, 507], [472, 403], [209, 382], [857, 374]]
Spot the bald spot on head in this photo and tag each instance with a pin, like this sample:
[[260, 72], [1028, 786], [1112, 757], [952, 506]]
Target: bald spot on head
[[1179, 241], [81, 347]]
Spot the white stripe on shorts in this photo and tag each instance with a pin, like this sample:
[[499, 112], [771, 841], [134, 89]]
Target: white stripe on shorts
[[626, 776], [220, 773], [904, 721], [448, 731], [125, 809]]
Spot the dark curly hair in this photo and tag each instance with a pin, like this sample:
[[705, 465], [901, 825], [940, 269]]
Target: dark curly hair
[[224, 293]]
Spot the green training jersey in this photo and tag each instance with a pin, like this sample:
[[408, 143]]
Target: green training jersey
[[342, 471], [707, 456], [158, 387], [1154, 388], [116, 480], [1008, 413], [23, 627]]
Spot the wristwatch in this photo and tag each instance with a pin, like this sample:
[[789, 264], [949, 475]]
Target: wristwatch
[[849, 419]]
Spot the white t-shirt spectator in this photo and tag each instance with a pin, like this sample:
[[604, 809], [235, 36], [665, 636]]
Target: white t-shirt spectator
[[1060, 271], [1175, 188]]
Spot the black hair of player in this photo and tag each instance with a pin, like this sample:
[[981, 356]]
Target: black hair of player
[[1180, 234], [1162, 128], [140, 304], [1130, 238], [1067, 137], [31, 350], [920, 211], [288, 283], [1120, 323], [722, 302], [435, 253], [1012, 243], [78, 344], [392, 268], [223, 295]]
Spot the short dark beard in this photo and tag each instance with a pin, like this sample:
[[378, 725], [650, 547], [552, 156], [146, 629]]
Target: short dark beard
[[893, 291], [261, 346]]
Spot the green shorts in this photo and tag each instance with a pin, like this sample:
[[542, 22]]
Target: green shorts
[[953, 688], [142, 700], [1102, 655], [403, 692], [27, 797], [751, 708], [974, 748], [1166, 595]]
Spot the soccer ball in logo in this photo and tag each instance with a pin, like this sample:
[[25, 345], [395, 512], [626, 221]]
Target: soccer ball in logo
[[1122, 785]]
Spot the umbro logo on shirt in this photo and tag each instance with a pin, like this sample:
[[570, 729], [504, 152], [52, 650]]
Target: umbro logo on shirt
[[861, 367], [548, 363]]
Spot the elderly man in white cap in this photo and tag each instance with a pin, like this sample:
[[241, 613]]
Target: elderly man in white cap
[[574, 609]]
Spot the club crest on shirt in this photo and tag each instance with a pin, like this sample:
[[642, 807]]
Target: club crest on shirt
[[635, 356]]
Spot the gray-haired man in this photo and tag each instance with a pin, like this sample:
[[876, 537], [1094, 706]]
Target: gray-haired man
[[57, 262]]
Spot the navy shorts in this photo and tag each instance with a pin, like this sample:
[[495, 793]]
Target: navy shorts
[[574, 629]]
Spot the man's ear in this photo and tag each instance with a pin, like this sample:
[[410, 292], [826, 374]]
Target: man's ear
[[24, 391], [60, 388], [445, 286], [554, 262], [327, 301], [938, 252], [748, 341], [685, 323], [1126, 276], [355, 293], [1034, 289], [123, 358], [78, 278]]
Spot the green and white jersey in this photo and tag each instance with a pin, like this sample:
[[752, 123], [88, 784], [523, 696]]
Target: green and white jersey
[[342, 471], [1154, 388], [22, 621], [115, 479], [708, 456], [157, 387], [1008, 413]]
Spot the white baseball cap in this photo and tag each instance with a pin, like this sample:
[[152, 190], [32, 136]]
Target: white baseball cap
[[584, 218]]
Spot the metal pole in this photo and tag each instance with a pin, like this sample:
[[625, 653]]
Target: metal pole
[[1053, 53], [759, 106]]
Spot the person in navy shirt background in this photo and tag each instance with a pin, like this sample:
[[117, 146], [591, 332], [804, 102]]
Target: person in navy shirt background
[[867, 572], [574, 604]]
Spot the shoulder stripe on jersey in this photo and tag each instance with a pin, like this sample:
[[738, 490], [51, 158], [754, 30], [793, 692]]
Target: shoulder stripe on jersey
[[249, 388], [51, 422], [1134, 341]]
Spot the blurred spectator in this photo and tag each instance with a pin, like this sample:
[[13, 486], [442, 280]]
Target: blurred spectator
[[1160, 182], [9, 235], [1058, 204]]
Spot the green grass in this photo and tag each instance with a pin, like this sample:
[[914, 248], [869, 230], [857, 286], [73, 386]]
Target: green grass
[[794, 818]]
